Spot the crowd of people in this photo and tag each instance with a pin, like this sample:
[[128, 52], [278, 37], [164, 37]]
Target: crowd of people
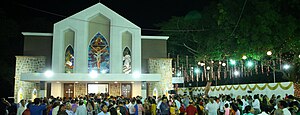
[[102, 104]]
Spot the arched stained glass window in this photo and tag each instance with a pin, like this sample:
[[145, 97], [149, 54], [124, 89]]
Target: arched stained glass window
[[98, 54], [69, 59]]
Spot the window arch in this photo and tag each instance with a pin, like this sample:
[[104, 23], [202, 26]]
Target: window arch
[[126, 60], [69, 59], [99, 54]]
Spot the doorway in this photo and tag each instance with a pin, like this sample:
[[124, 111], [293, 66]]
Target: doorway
[[126, 90], [95, 88], [68, 90]]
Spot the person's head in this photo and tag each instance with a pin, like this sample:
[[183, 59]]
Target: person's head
[[36, 101], [80, 102], [173, 104], [165, 100], [226, 105], [62, 107], [211, 100], [22, 102], [28, 105], [282, 104], [104, 108], [249, 109], [68, 106], [191, 102]]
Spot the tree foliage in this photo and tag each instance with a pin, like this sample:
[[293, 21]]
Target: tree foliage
[[230, 29]]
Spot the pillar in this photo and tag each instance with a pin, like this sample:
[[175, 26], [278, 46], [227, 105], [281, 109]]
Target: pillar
[[161, 66]]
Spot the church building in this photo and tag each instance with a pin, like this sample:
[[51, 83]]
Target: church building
[[93, 51]]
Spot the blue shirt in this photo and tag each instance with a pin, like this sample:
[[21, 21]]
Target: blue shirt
[[37, 109]]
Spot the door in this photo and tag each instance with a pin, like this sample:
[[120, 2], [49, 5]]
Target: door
[[126, 90], [69, 90]]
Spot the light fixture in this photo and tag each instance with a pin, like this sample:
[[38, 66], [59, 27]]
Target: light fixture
[[286, 66], [232, 62], [208, 68], [249, 63], [136, 74], [197, 70], [236, 73], [93, 73], [244, 57], [269, 53], [104, 71], [48, 73], [224, 64]]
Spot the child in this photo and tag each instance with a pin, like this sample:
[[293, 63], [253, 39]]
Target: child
[[227, 109]]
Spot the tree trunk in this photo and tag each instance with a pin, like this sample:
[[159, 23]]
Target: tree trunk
[[207, 88]]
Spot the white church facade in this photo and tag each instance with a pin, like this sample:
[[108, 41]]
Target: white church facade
[[93, 51]]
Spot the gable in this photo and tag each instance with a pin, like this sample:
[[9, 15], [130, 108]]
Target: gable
[[84, 16]]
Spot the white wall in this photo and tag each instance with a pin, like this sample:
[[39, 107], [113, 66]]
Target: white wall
[[136, 89], [56, 89]]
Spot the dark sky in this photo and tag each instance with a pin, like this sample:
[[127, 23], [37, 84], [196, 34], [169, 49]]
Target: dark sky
[[144, 13]]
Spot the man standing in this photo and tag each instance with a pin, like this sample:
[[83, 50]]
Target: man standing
[[21, 107], [164, 107], [81, 109], [282, 107], [37, 108], [212, 107], [191, 109]]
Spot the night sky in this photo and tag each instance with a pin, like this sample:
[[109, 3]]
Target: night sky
[[142, 13]]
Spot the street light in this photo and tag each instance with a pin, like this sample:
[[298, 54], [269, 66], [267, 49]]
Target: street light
[[249, 64], [286, 66], [208, 68], [223, 64], [244, 57], [269, 53], [197, 70], [232, 62], [236, 73]]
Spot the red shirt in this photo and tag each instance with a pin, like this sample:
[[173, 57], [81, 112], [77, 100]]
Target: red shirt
[[191, 110], [26, 112]]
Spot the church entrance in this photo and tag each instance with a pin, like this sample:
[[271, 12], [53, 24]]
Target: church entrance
[[126, 90], [68, 90], [95, 88]]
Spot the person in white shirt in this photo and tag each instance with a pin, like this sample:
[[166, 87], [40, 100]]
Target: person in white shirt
[[256, 104], [282, 105], [245, 103], [131, 107], [81, 109], [21, 107], [221, 105], [55, 108], [212, 107]]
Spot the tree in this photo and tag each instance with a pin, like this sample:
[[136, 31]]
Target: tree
[[230, 29]]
